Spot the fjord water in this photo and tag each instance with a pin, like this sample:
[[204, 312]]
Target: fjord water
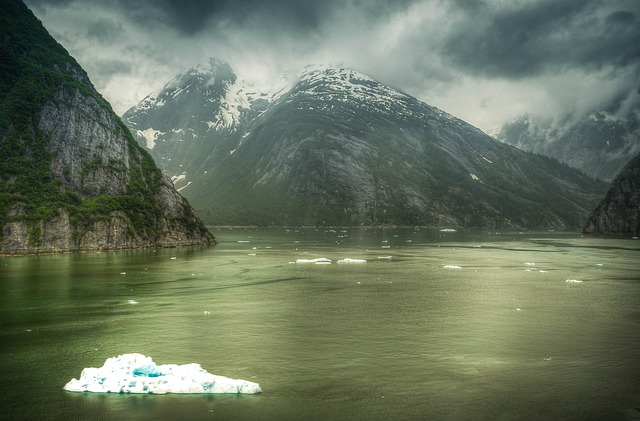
[[436, 325]]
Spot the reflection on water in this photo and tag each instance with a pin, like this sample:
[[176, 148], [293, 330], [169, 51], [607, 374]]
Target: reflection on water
[[436, 325]]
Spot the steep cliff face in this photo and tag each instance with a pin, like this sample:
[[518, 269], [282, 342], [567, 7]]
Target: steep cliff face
[[71, 175], [619, 211]]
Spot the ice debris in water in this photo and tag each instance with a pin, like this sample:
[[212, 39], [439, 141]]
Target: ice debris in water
[[573, 281], [349, 260], [137, 373], [318, 261], [452, 267]]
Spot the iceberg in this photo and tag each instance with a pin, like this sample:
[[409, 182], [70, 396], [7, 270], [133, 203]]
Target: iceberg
[[318, 261], [137, 373], [349, 260]]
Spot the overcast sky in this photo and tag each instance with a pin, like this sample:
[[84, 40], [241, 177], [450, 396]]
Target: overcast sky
[[483, 61]]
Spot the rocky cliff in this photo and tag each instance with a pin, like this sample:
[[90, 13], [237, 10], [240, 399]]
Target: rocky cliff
[[619, 211], [71, 175]]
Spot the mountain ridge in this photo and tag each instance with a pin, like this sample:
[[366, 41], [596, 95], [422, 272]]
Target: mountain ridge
[[599, 143], [340, 148]]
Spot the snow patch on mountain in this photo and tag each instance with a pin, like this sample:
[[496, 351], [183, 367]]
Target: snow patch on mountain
[[150, 135], [177, 178], [183, 187], [335, 86], [231, 107]]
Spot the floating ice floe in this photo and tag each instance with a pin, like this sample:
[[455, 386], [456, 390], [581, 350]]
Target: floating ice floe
[[318, 261], [447, 230], [137, 373], [573, 281], [452, 267], [349, 260]]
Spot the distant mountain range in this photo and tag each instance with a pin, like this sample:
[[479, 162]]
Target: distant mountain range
[[600, 144], [71, 175], [336, 147]]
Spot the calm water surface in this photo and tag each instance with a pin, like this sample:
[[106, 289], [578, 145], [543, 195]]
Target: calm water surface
[[406, 336]]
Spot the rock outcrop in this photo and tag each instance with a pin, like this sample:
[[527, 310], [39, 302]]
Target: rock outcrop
[[619, 211], [71, 175]]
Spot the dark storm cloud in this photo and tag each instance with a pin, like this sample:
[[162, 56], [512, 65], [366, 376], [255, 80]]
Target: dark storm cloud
[[544, 36], [189, 17], [105, 30], [482, 60]]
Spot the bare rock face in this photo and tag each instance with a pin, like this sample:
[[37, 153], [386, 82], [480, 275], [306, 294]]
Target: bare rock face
[[71, 175], [619, 211], [88, 147]]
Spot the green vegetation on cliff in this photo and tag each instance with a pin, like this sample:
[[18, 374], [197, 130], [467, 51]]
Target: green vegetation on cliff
[[37, 72]]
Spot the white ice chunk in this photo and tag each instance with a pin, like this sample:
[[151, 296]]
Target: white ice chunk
[[447, 230], [137, 373], [348, 260], [150, 135], [452, 267], [573, 281], [318, 261]]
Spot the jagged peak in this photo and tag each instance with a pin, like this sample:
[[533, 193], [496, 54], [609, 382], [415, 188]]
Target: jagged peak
[[209, 71], [204, 75], [212, 75], [346, 80]]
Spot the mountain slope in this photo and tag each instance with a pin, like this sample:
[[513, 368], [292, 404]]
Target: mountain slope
[[619, 211], [340, 148], [599, 144], [71, 175], [199, 115]]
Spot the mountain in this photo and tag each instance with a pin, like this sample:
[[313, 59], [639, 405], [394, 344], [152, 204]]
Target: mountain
[[340, 148], [198, 116], [599, 144], [71, 175], [619, 211]]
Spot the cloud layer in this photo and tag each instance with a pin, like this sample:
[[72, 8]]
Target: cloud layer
[[484, 61]]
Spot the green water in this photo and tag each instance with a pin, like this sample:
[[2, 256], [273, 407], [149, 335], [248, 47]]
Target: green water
[[402, 337]]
